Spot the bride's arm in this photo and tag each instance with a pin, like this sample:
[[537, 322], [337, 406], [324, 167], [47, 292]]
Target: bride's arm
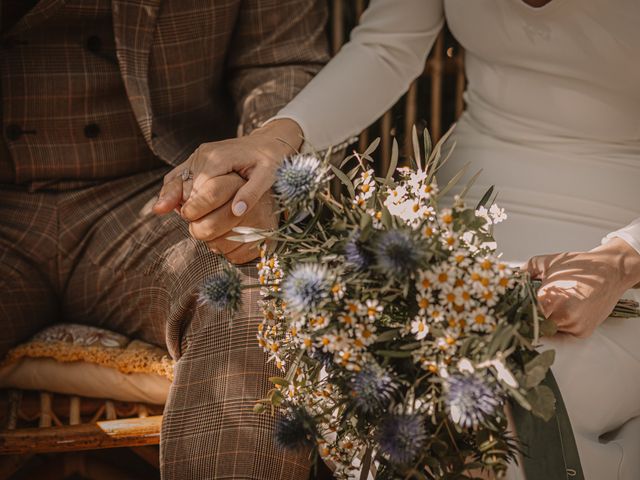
[[630, 234], [580, 289], [386, 52]]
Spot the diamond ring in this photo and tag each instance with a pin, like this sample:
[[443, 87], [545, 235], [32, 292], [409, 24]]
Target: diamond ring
[[186, 175]]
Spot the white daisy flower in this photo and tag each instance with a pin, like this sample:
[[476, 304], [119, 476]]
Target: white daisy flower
[[419, 327]]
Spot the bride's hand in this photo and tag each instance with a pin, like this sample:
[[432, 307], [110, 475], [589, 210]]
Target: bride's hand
[[254, 157], [579, 290]]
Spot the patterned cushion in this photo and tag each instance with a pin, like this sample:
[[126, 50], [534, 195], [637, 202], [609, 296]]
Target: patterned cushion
[[91, 362]]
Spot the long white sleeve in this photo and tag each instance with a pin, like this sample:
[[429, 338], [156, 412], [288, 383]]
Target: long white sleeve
[[630, 234], [386, 52]]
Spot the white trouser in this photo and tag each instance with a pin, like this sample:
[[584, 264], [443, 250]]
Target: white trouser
[[599, 378]]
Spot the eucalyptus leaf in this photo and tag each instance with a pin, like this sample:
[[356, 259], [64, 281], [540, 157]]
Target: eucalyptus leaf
[[427, 145], [548, 328], [456, 178], [372, 147], [393, 163], [393, 354], [345, 180], [543, 402], [416, 147], [485, 198], [279, 381]]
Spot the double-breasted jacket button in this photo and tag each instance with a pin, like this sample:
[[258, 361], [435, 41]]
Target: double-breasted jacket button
[[92, 130], [13, 132], [94, 44]]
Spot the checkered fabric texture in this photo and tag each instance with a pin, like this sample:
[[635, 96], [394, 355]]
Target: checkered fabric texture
[[80, 244]]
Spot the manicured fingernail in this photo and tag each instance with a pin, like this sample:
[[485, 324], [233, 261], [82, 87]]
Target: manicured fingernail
[[239, 208]]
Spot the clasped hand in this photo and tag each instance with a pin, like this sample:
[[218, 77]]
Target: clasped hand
[[230, 186], [580, 290]]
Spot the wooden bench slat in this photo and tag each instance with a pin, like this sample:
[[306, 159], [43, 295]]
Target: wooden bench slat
[[127, 432]]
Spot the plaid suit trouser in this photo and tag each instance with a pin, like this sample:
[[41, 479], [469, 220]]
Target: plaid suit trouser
[[95, 254]]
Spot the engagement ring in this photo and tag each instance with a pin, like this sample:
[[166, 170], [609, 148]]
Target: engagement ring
[[186, 175]]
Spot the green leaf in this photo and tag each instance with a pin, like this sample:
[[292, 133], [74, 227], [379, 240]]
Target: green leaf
[[545, 360], [469, 184], [259, 408], [427, 144], [344, 179], [387, 219], [372, 147], [387, 336], [279, 381], [393, 354], [365, 222], [548, 328], [536, 369], [543, 402], [416, 147], [485, 198], [393, 163], [456, 178]]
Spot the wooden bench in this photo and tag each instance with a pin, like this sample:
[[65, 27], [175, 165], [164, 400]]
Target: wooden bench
[[40, 422]]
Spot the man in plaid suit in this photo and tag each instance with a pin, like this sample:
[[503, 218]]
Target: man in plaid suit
[[100, 98]]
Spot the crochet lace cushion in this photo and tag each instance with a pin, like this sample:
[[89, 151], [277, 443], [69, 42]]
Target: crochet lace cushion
[[90, 362]]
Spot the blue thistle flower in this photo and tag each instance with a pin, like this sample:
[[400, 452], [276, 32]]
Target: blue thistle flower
[[306, 287], [372, 389], [397, 253], [223, 291], [355, 255], [470, 399], [402, 438], [298, 179], [295, 430]]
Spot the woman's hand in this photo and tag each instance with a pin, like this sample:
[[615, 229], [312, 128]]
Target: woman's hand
[[229, 185], [579, 290], [254, 157]]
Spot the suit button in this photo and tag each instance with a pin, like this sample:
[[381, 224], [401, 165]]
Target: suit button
[[13, 132], [94, 44], [92, 130], [9, 43]]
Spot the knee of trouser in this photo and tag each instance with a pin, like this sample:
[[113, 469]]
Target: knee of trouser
[[192, 318]]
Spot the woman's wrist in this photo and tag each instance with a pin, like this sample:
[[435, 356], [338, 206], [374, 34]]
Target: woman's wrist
[[626, 259], [284, 133]]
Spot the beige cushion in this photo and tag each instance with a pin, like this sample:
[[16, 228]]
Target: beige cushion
[[91, 362]]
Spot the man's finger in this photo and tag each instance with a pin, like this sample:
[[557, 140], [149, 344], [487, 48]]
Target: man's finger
[[214, 225], [170, 196], [247, 252], [210, 195], [224, 246], [252, 191]]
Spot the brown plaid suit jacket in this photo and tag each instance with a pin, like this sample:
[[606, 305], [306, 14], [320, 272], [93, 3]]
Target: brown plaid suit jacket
[[194, 70]]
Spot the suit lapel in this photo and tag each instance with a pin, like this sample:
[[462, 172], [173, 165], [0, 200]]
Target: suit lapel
[[134, 23], [40, 12]]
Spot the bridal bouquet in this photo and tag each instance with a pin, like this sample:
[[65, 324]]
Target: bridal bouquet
[[400, 334]]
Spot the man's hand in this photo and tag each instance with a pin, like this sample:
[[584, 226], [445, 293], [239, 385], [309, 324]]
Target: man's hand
[[580, 290]]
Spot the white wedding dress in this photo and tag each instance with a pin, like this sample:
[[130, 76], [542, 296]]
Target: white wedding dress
[[553, 119]]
